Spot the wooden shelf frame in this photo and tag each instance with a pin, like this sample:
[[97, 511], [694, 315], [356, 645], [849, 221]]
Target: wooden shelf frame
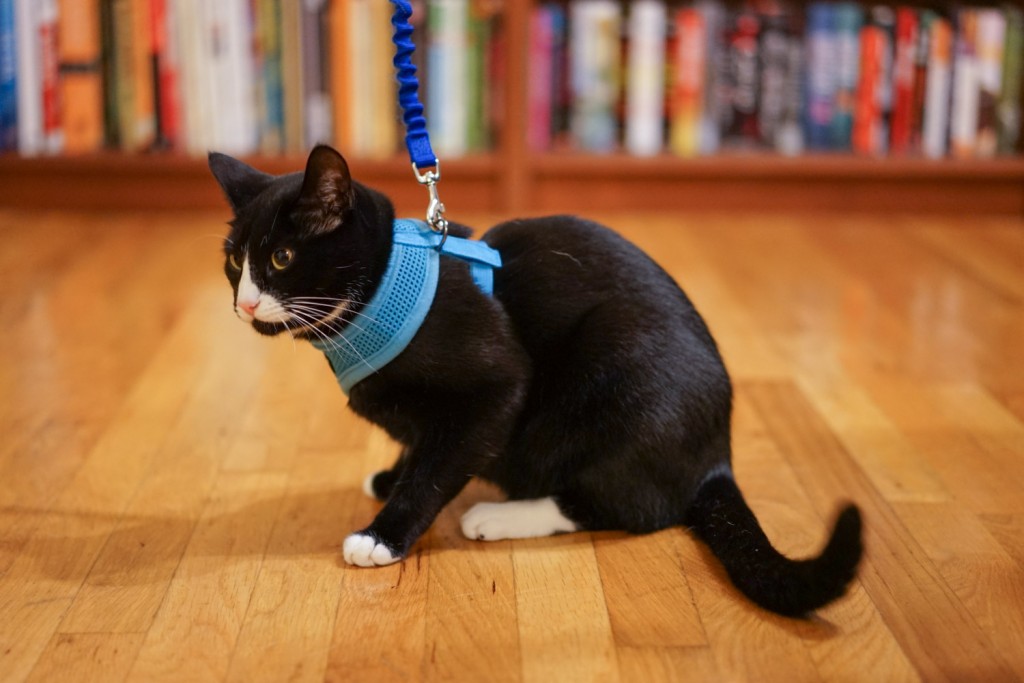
[[536, 184]]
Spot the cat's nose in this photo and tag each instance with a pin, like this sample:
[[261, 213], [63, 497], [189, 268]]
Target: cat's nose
[[249, 306]]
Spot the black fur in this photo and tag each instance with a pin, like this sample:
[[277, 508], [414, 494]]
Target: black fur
[[588, 377]]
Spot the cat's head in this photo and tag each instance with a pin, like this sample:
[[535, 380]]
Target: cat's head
[[304, 249]]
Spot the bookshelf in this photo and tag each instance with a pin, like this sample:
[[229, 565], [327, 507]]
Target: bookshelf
[[514, 180]]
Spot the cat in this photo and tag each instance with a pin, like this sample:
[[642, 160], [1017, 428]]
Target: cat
[[587, 387]]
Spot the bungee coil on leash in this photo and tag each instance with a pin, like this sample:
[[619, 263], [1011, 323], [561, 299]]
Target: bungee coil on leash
[[425, 164]]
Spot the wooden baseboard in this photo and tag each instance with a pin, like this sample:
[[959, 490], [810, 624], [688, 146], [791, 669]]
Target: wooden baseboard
[[571, 182]]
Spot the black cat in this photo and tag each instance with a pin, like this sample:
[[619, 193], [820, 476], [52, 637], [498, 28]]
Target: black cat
[[587, 387]]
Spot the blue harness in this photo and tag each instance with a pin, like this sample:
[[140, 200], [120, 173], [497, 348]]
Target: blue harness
[[386, 325]]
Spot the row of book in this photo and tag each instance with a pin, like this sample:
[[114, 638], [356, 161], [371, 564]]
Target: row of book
[[649, 77], [241, 76]]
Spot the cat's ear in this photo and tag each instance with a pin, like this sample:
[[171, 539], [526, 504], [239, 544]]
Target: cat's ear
[[326, 191], [241, 183]]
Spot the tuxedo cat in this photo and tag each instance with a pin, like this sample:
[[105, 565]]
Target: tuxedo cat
[[587, 387]]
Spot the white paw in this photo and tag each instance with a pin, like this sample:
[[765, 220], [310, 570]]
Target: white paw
[[366, 551], [514, 519], [368, 485]]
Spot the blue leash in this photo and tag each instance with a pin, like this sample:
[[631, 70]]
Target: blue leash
[[417, 140]]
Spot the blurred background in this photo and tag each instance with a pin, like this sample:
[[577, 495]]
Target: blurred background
[[533, 106]]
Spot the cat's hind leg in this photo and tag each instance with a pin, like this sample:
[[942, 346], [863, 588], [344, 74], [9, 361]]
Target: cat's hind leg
[[379, 485], [515, 519]]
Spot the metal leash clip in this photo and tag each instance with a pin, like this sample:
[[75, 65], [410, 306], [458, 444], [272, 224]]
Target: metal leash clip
[[435, 209]]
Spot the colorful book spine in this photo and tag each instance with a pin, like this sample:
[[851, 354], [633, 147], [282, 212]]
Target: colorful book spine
[[821, 74], [903, 80], [339, 73], [267, 63], [291, 75], [447, 106], [595, 63], [716, 98], [165, 69], [925, 20], [937, 90], [849, 18], [991, 35], [561, 81], [1009, 108], [8, 78], [540, 88], [81, 81], [316, 93], [868, 131], [645, 92], [772, 91], [29, 79], [687, 94], [742, 116], [143, 123], [383, 86], [963, 134], [479, 26]]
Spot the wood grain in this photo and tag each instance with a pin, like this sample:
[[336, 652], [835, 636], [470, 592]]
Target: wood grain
[[174, 490]]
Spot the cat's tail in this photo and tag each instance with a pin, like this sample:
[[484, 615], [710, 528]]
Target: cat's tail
[[721, 518]]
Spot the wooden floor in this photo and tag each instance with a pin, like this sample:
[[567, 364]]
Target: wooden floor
[[174, 489]]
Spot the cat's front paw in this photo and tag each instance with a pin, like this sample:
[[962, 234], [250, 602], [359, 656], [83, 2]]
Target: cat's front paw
[[366, 551]]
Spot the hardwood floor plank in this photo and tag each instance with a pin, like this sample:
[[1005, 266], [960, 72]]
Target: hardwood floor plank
[[648, 598], [380, 625], [667, 664], [472, 629], [927, 619], [291, 618], [195, 631], [564, 629], [87, 657], [989, 583]]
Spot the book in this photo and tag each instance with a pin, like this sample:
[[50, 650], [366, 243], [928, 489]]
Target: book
[[339, 73], [939, 76], [741, 124], [383, 85], [645, 83], [447, 96], [716, 85], [925, 19], [822, 51], [196, 132], [165, 69], [903, 79], [595, 65], [480, 25], [687, 92], [315, 85], [292, 91], [561, 79], [81, 79], [963, 134], [991, 34], [540, 86], [849, 18], [142, 123], [873, 108], [774, 81], [267, 64], [8, 78], [1008, 112], [29, 78]]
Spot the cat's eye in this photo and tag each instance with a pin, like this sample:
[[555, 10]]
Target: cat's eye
[[234, 262], [282, 258]]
